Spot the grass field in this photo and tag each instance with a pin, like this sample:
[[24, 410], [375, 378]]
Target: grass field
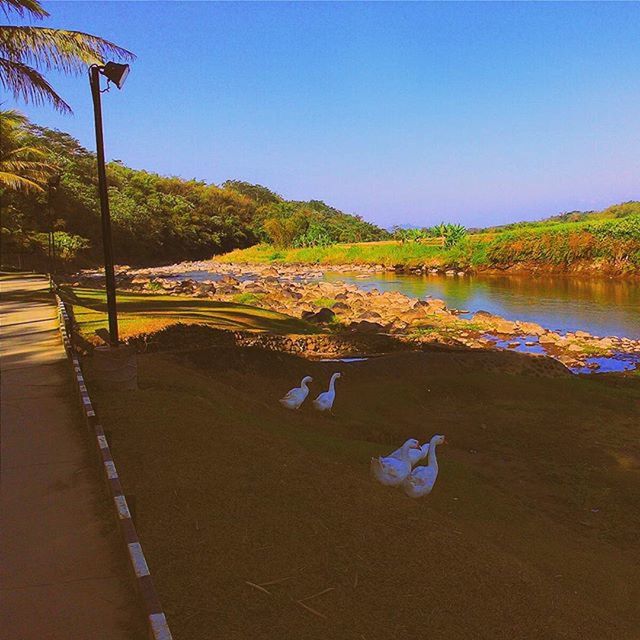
[[531, 531], [140, 313], [609, 244], [388, 253]]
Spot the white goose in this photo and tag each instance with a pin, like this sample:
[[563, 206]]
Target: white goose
[[415, 455], [294, 398], [324, 402], [392, 470], [421, 480]]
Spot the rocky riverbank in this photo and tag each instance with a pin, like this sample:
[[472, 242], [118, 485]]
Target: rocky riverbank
[[339, 307]]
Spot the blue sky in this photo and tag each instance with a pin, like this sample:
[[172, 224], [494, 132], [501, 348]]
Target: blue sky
[[479, 113]]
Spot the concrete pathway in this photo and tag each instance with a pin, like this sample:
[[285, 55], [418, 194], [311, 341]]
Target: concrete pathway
[[62, 570]]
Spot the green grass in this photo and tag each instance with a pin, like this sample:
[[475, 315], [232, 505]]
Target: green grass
[[609, 240], [538, 486], [387, 253], [325, 302], [140, 313], [247, 298]]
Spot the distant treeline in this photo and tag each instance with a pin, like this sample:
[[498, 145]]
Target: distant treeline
[[157, 219]]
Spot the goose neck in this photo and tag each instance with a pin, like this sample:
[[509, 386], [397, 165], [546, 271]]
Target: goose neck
[[432, 459]]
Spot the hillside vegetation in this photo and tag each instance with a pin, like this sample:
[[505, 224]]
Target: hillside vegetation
[[155, 219], [158, 220]]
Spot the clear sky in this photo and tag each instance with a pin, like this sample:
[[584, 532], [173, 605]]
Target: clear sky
[[413, 113]]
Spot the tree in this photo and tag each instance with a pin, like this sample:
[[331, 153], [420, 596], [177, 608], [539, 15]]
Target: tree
[[23, 165], [27, 51]]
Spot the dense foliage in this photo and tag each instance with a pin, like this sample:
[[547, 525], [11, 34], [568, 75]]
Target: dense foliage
[[621, 210], [614, 239], [448, 234], [601, 244], [157, 219]]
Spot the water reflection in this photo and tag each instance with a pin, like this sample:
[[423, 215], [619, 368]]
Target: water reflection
[[563, 303]]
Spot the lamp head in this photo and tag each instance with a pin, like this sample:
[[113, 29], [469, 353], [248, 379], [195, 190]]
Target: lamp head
[[116, 73]]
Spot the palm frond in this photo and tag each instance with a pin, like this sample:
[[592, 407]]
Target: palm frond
[[67, 51], [31, 7], [27, 152], [27, 167], [18, 183], [29, 85], [13, 119]]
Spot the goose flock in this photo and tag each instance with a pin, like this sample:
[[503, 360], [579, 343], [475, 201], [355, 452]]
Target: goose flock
[[398, 469], [324, 402]]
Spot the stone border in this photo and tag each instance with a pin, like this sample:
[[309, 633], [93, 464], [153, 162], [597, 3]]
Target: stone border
[[157, 626]]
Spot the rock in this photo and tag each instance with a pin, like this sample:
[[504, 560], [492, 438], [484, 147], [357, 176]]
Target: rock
[[490, 322], [530, 344], [398, 326], [434, 305], [582, 334], [550, 338], [412, 315], [204, 290], [340, 306], [322, 316], [530, 328], [364, 326], [369, 316]]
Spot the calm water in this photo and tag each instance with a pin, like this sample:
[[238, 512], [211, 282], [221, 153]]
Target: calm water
[[601, 306]]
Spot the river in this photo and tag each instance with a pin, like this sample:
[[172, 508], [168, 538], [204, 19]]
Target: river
[[603, 307]]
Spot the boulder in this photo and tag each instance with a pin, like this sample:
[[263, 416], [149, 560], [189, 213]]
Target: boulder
[[530, 328], [364, 326], [340, 307], [413, 315], [490, 322], [322, 316]]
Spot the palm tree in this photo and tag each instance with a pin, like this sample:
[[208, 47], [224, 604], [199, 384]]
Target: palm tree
[[22, 165], [26, 51]]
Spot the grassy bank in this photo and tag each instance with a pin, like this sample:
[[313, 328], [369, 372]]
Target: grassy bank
[[609, 245], [142, 313], [535, 509]]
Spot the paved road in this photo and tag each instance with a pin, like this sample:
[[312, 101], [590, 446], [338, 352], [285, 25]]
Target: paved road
[[62, 571]]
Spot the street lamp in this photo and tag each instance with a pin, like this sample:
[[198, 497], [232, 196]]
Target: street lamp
[[52, 184], [116, 73]]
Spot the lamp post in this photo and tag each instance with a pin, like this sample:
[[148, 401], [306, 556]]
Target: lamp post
[[52, 184], [116, 73]]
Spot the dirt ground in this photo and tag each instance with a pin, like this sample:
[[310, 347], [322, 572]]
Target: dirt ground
[[246, 509]]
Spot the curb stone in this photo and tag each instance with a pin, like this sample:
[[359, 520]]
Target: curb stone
[[157, 626]]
